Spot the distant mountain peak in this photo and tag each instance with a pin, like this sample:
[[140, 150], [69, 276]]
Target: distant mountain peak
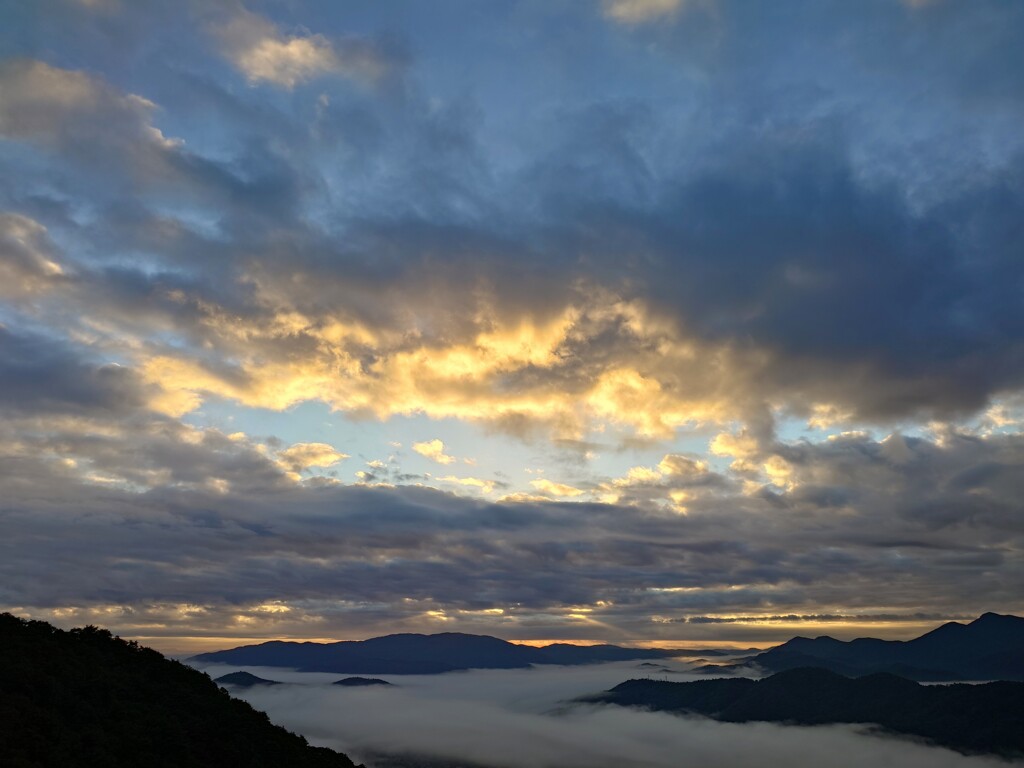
[[410, 653], [997, 618], [989, 648]]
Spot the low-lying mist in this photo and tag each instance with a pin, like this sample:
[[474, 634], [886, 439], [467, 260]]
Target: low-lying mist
[[521, 719]]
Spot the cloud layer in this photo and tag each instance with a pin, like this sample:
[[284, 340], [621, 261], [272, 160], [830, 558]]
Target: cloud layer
[[720, 303], [516, 719]]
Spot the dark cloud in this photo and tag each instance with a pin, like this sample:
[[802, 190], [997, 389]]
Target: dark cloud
[[39, 375], [761, 232], [729, 220], [820, 618], [913, 535]]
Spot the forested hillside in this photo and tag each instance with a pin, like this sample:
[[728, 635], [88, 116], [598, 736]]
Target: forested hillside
[[86, 698]]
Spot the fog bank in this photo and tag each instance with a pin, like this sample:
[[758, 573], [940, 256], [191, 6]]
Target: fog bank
[[520, 719]]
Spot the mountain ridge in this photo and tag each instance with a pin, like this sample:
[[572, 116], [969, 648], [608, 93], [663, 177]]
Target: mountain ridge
[[985, 718], [989, 648], [415, 653]]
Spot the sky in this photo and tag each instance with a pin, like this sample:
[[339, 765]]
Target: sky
[[671, 322]]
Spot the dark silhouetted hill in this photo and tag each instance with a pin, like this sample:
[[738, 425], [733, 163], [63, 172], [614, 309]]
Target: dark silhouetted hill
[[989, 648], [412, 654], [86, 698], [984, 718], [244, 680], [359, 682]]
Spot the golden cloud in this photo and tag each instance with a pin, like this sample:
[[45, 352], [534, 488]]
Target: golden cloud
[[560, 490], [302, 456], [486, 486], [433, 450], [264, 54], [641, 11], [599, 361]]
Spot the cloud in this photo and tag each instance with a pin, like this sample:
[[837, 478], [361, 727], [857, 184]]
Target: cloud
[[264, 54], [486, 486], [519, 718], [166, 515], [28, 265], [433, 450], [675, 481], [65, 108], [714, 323], [641, 11], [772, 229], [565, 365], [303, 456], [822, 618], [556, 489], [682, 466], [98, 5], [43, 377]]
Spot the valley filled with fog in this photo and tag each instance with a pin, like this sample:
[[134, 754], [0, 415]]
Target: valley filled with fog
[[525, 719]]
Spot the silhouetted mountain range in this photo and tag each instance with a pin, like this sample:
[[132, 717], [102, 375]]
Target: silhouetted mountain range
[[989, 648], [86, 698], [985, 718], [411, 654]]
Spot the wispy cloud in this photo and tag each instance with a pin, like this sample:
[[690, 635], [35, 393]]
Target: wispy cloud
[[642, 11], [265, 54]]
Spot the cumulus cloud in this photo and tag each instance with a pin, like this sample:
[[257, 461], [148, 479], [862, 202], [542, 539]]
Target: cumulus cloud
[[265, 54], [433, 450], [303, 456]]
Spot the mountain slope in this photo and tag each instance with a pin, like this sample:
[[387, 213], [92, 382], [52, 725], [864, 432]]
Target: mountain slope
[[989, 648], [86, 698], [244, 680], [423, 654], [987, 718]]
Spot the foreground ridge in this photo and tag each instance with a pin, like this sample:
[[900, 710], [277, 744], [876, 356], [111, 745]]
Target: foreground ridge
[[86, 698]]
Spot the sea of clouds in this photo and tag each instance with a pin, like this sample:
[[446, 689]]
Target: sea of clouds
[[524, 719]]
